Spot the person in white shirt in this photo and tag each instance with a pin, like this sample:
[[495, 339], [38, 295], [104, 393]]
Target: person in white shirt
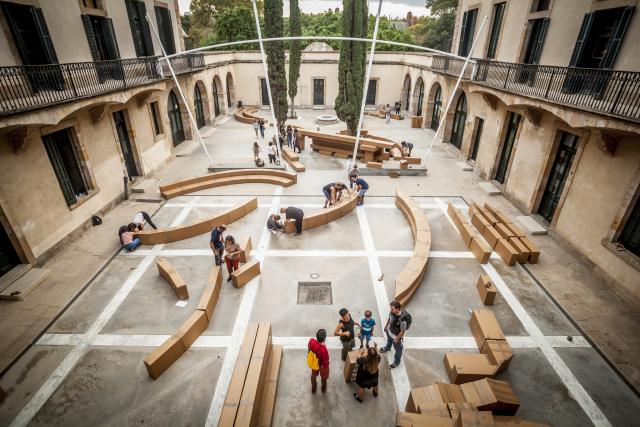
[[271, 152]]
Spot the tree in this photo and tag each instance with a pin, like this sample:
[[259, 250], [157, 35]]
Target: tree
[[351, 68], [204, 17], [274, 27], [295, 51], [237, 23], [436, 31]]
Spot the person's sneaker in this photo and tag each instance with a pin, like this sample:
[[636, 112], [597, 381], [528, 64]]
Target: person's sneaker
[[313, 389], [393, 365], [383, 350], [229, 279], [298, 234]]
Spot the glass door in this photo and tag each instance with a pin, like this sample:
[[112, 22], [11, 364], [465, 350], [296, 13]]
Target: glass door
[[197, 96], [507, 147], [459, 118], [125, 143], [567, 149], [476, 138], [318, 91], [175, 119]]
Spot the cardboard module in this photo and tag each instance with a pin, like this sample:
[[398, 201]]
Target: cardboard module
[[475, 418], [491, 395], [507, 252], [407, 419], [486, 289], [484, 326], [374, 165], [466, 367], [245, 273], [351, 365], [270, 387], [191, 329], [211, 293], [480, 249], [172, 277], [491, 235], [499, 353], [451, 393], [422, 396], [245, 245], [163, 357]]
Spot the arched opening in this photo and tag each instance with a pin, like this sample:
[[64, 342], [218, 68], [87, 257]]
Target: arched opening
[[418, 96], [175, 119], [216, 92], [435, 105], [231, 96], [197, 101], [405, 98], [459, 119]]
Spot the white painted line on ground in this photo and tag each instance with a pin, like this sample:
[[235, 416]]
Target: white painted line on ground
[[240, 326], [576, 391], [313, 253], [399, 374], [60, 339], [47, 389], [305, 205]]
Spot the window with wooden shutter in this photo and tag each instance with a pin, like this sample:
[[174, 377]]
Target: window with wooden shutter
[[616, 39], [59, 147], [539, 42], [463, 32], [165, 29], [498, 12], [630, 236], [139, 27], [578, 48], [91, 37]]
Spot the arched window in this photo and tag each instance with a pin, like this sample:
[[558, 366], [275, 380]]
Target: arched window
[[437, 106], [419, 95], [216, 103], [230, 90], [406, 93], [457, 132], [175, 119], [197, 97]]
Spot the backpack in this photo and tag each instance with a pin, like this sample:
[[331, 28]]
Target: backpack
[[406, 318], [96, 220], [312, 361]]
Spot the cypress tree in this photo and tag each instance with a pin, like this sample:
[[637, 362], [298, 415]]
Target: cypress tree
[[351, 68], [295, 52], [274, 27]]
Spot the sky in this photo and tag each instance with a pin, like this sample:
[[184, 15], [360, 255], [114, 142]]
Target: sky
[[392, 8]]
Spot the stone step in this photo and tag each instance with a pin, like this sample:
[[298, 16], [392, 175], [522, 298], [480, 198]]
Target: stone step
[[19, 289], [14, 274], [530, 225], [490, 188], [466, 167]]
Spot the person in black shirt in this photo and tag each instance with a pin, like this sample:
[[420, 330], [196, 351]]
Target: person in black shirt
[[367, 375], [333, 193], [295, 214], [397, 325], [216, 243], [345, 331]]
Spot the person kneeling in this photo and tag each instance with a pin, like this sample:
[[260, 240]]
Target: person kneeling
[[129, 238], [274, 225]]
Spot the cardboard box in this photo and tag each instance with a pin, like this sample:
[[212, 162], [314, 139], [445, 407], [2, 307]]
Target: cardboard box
[[466, 367], [466, 233], [374, 165], [490, 217], [507, 252], [451, 393], [519, 232], [248, 410], [499, 353], [407, 419], [245, 273], [404, 164], [169, 273], [163, 357], [191, 329], [268, 400], [455, 410], [351, 366], [491, 235], [451, 210], [422, 396], [492, 395], [486, 289], [479, 221], [211, 293], [504, 231], [534, 251], [504, 219], [523, 252], [246, 246], [480, 250], [490, 208], [472, 418], [484, 326]]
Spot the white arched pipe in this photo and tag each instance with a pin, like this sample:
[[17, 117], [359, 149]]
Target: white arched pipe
[[455, 88], [366, 85], [266, 73], [194, 124]]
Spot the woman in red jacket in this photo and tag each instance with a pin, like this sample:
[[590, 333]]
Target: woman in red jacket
[[319, 348]]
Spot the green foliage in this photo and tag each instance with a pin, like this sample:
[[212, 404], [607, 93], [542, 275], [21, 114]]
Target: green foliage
[[436, 31], [204, 15], [233, 24], [387, 32], [274, 27], [295, 53], [323, 24], [351, 68]]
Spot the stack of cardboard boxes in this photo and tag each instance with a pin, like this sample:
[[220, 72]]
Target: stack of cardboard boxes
[[505, 237], [495, 353], [469, 235]]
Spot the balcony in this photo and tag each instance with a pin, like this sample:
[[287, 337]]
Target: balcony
[[30, 87], [615, 93]]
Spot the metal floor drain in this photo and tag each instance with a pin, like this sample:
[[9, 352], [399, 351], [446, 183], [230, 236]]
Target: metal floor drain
[[315, 293]]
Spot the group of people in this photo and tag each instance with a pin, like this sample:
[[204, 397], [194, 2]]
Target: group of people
[[361, 185], [291, 135], [258, 128], [398, 323], [227, 246], [128, 234], [275, 225]]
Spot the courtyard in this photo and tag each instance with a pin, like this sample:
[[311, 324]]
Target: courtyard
[[87, 367]]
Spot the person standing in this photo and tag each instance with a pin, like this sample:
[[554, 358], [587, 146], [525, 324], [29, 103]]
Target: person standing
[[387, 113], [367, 325], [256, 151], [354, 173], [345, 331], [361, 188], [256, 126], [232, 256], [296, 143], [318, 360], [398, 105], [271, 152], [397, 325], [216, 243], [140, 218], [261, 126], [367, 375], [290, 137], [296, 214]]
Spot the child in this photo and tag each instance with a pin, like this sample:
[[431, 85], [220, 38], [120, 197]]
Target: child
[[366, 328], [256, 151]]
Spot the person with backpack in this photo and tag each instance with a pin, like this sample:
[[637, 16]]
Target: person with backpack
[[318, 360], [345, 331], [398, 324]]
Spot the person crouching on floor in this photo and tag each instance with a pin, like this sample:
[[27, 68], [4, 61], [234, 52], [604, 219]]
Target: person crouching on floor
[[129, 238], [273, 224]]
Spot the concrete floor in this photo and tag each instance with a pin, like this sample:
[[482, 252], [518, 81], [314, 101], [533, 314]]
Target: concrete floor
[[87, 369]]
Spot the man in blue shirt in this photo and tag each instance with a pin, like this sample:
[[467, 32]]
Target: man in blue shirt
[[361, 188], [217, 243]]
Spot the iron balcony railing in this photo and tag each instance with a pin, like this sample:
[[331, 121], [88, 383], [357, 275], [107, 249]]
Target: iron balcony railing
[[611, 92], [29, 87], [452, 66]]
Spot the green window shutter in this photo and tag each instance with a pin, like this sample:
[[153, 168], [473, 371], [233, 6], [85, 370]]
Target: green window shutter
[[616, 39], [163, 18], [91, 37], [41, 24], [21, 44], [59, 170], [137, 42], [471, 29], [110, 38], [582, 38], [495, 30], [146, 32], [463, 35], [540, 41]]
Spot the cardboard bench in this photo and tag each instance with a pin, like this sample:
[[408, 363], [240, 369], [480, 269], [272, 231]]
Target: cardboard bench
[[245, 273], [252, 390], [374, 165], [407, 419], [409, 279], [465, 367], [209, 297], [246, 115], [246, 246], [230, 177], [491, 395], [202, 226], [486, 289], [347, 203], [170, 274], [293, 159], [499, 353], [515, 245], [507, 252], [423, 397]]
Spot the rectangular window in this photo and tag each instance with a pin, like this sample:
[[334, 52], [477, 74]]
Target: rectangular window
[[630, 236], [498, 13], [139, 27], [155, 117], [371, 92], [264, 92], [537, 33], [477, 134], [467, 31], [507, 147], [165, 29], [318, 91], [567, 149], [540, 5], [64, 159]]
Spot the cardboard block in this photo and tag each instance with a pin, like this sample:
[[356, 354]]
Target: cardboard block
[[163, 357], [423, 395], [289, 226], [333, 213], [169, 273], [523, 252], [486, 289], [470, 417], [248, 410], [504, 231], [480, 250], [191, 329], [466, 233], [211, 293], [490, 208], [502, 218], [404, 164], [374, 165], [268, 400], [451, 393], [479, 222], [515, 229], [491, 235], [534, 251], [407, 419], [314, 220], [495, 396], [455, 410], [245, 273], [490, 217], [413, 160], [507, 252], [466, 367], [451, 210], [246, 246], [394, 174], [350, 365], [499, 353], [484, 326]]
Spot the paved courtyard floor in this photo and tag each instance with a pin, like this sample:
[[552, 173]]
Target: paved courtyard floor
[[87, 368]]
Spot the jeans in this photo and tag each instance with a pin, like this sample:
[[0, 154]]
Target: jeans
[[364, 339], [262, 132], [347, 346], [397, 346], [218, 254], [272, 158], [133, 245]]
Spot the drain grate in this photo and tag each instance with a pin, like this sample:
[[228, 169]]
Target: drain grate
[[315, 293]]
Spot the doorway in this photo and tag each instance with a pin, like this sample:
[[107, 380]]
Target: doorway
[[460, 117], [567, 149], [477, 134], [175, 119], [507, 147], [437, 106], [125, 144], [264, 92], [371, 92], [318, 92], [197, 100], [8, 256]]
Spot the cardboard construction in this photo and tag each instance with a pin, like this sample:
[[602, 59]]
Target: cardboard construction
[[249, 408], [245, 273], [480, 249], [470, 417], [515, 229], [523, 252], [491, 395], [163, 357], [466, 233], [191, 329], [507, 252], [490, 208], [491, 235], [351, 366], [466, 367], [374, 165], [246, 246], [534, 251], [407, 419], [504, 231], [422, 396], [499, 353], [268, 400], [169, 273], [451, 393], [484, 326], [455, 410], [209, 297], [479, 221], [504, 219], [486, 289]]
